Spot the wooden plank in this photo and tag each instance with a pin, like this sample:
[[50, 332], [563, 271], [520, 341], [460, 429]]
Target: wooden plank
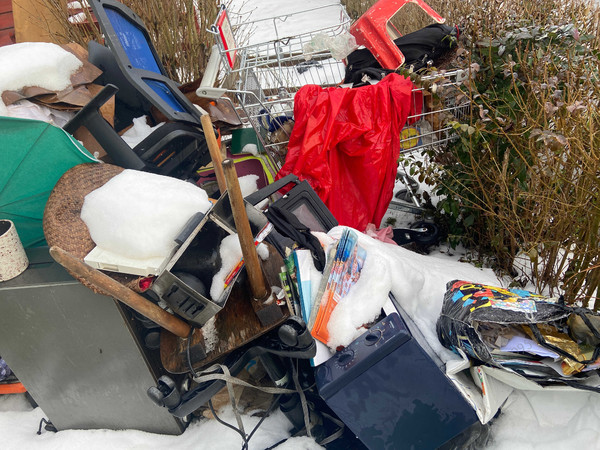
[[7, 37], [5, 6], [6, 21], [120, 292]]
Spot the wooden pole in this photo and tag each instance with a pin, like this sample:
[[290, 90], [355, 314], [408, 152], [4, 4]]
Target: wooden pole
[[122, 293], [214, 150], [238, 207]]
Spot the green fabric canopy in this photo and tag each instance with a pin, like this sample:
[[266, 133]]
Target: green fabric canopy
[[33, 156]]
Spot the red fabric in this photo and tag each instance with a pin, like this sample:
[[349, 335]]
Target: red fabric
[[346, 144]]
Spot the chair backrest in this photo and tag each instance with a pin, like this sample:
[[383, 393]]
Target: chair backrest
[[127, 37], [129, 103]]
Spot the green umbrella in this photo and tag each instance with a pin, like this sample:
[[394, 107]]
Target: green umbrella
[[33, 156]]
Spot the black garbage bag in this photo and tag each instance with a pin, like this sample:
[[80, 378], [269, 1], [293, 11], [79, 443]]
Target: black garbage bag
[[419, 47], [522, 332]]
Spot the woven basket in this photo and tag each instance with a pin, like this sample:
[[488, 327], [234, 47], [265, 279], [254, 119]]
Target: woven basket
[[62, 223]]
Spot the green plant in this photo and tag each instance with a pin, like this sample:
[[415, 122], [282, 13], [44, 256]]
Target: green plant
[[521, 184]]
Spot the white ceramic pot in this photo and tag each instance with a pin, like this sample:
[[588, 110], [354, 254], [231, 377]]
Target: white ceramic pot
[[13, 260]]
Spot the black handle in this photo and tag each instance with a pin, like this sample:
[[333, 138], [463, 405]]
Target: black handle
[[270, 189]]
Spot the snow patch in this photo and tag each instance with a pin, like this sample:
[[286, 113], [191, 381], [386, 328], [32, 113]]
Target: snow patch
[[35, 64], [248, 184], [138, 215], [139, 131], [231, 254]]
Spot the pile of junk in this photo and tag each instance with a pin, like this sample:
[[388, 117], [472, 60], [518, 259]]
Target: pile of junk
[[166, 253]]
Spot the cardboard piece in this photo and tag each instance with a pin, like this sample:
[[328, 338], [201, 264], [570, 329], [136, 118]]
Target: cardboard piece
[[71, 98], [35, 21]]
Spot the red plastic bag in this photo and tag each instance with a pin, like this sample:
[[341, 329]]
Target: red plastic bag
[[346, 144]]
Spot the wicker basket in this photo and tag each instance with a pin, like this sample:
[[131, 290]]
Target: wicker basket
[[63, 226]]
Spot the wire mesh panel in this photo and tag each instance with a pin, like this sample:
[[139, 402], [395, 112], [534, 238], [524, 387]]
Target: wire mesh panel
[[269, 72], [280, 56], [440, 102]]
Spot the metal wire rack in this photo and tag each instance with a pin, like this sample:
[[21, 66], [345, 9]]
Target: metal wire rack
[[431, 129], [264, 76]]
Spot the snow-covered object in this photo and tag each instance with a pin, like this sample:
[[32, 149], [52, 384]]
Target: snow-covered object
[[231, 254], [138, 214], [35, 64], [250, 148], [417, 281], [248, 184], [139, 131], [78, 18], [210, 335]]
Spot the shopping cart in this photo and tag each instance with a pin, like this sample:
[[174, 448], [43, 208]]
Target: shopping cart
[[441, 104], [261, 77]]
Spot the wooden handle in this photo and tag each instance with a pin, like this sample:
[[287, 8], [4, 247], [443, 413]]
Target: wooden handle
[[238, 207], [122, 293], [214, 150]]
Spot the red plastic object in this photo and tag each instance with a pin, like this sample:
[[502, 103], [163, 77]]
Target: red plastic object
[[346, 142], [12, 388], [374, 30]]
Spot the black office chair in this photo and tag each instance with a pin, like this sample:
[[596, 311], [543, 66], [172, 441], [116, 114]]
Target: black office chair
[[133, 71]]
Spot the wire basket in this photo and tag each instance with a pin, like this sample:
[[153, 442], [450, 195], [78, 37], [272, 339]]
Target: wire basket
[[441, 103], [265, 74]]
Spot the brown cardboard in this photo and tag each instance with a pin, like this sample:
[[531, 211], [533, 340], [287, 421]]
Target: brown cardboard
[[35, 21]]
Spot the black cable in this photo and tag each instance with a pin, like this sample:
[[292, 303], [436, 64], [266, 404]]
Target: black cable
[[267, 414], [49, 426], [228, 425], [246, 439]]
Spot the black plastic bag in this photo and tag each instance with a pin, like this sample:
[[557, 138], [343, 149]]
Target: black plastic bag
[[419, 47]]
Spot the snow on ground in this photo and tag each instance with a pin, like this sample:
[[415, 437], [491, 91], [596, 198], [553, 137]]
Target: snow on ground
[[19, 424]]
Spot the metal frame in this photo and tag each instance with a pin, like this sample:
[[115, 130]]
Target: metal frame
[[266, 77], [267, 74]]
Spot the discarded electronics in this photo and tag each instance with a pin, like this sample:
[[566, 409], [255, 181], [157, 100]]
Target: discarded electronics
[[391, 393], [186, 279]]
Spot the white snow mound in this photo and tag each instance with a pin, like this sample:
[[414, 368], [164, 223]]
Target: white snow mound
[[35, 64], [138, 215]]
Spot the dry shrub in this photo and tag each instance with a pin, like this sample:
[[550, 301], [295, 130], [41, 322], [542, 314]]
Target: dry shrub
[[178, 29], [522, 183]]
